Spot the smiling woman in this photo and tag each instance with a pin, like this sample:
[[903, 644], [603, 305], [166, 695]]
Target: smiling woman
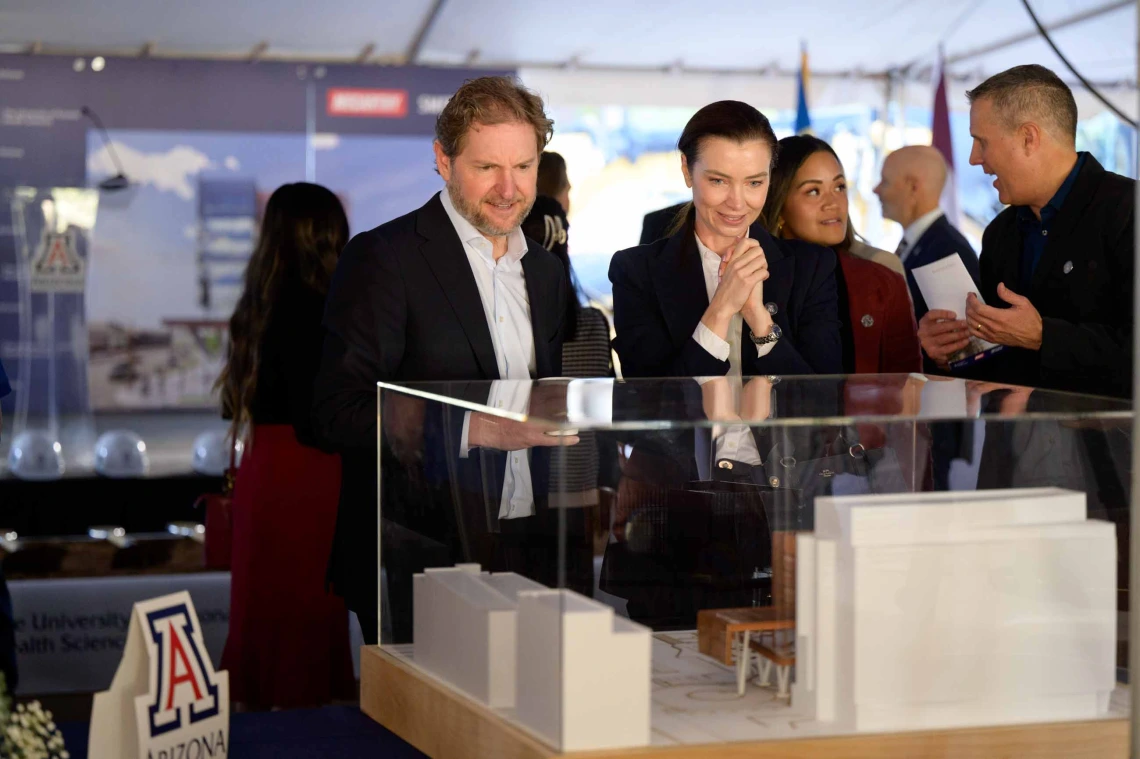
[[809, 202], [720, 296]]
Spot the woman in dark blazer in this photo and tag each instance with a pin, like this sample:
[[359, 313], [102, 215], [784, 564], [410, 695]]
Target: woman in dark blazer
[[717, 296], [719, 293], [809, 202]]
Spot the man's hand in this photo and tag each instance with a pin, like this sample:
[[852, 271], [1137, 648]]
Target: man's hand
[[942, 335], [1013, 403], [1018, 326], [402, 418], [487, 431], [548, 400]]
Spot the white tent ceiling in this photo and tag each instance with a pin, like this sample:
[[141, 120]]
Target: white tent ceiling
[[616, 49], [730, 35]]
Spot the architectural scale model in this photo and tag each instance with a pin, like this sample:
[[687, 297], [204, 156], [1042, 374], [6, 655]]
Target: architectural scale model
[[464, 627], [573, 672], [942, 610]]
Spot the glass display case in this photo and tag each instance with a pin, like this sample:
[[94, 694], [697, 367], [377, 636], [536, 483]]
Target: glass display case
[[604, 565]]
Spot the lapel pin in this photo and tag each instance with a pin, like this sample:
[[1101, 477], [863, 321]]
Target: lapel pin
[[1068, 267], [868, 320], [772, 308]]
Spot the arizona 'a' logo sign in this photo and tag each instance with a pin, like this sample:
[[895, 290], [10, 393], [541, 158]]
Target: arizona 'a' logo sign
[[166, 701], [186, 692], [57, 265]]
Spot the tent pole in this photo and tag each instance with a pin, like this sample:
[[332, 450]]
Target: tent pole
[[1133, 522]]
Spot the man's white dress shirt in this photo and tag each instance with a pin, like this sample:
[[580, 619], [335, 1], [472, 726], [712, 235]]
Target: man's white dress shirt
[[502, 289]]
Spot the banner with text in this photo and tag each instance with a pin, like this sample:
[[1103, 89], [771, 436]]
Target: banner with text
[[187, 154]]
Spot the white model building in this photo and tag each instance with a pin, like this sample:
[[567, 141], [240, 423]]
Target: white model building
[[583, 673], [955, 609], [464, 623]]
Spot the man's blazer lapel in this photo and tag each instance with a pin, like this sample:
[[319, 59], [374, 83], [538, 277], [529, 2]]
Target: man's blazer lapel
[[444, 253], [542, 301]]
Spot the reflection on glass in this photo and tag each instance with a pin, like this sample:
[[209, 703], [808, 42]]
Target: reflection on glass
[[48, 348], [776, 535]]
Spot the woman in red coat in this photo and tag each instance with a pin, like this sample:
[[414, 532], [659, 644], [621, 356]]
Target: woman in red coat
[[288, 639], [808, 201]]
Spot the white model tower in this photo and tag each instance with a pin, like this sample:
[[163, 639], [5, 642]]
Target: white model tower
[[955, 609]]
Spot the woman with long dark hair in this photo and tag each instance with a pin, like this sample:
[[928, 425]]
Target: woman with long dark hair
[[719, 295], [808, 202], [288, 638]]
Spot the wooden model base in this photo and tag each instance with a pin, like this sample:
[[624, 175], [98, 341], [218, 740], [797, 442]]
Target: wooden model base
[[445, 724]]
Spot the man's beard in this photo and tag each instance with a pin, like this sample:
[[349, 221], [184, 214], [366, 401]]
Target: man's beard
[[474, 213]]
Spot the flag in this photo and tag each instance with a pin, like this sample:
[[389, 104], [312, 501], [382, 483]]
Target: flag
[[803, 118], [940, 129]]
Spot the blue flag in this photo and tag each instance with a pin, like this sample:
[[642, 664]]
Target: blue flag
[[803, 118]]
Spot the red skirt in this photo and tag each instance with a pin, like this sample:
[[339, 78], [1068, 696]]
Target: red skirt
[[288, 638]]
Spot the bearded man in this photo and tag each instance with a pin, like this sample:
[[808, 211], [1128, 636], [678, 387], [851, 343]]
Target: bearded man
[[450, 292]]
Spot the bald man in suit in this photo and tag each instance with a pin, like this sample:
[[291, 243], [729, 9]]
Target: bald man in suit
[[909, 189]]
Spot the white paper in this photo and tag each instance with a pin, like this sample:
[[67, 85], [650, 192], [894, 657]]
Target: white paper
[[945, 285]]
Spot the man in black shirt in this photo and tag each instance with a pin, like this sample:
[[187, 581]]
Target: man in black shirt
[[1056, 265]]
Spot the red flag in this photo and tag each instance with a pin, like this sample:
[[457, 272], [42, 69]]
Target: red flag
[[942, 141]]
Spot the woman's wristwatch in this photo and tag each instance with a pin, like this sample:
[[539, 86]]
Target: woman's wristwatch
[[774, 334]]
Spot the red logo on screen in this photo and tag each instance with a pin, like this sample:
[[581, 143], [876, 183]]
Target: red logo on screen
[[368, 103]]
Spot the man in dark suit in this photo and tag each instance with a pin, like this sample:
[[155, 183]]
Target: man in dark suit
[[909, 189], [452, 291], [656, 224], [1056, 266]]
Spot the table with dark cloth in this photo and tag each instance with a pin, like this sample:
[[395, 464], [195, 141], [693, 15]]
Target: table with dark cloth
[[71, 505], [331, 732]]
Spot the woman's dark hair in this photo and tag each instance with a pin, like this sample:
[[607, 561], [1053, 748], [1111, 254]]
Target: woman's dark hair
[[730, 119], [302, 234], [552, 176], [793, 152], [546, 224]]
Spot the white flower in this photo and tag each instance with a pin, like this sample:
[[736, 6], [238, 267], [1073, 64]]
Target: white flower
[[29, 732]]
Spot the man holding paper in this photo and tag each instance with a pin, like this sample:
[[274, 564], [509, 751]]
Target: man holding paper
[[1056, 266], [910, 187]]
